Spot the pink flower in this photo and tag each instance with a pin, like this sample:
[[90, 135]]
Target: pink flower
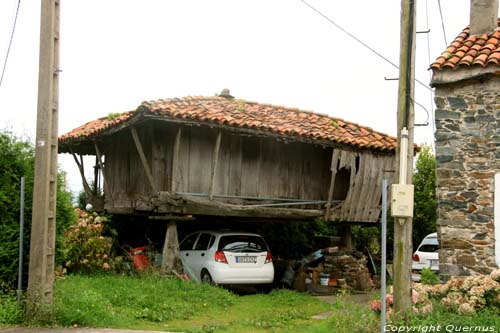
[[376, 306], [414, 296]]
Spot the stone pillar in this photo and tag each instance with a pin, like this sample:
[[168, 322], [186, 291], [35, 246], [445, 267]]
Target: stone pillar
[[171, 263]]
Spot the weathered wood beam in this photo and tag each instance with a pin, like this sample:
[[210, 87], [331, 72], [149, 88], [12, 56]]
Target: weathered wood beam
[[103, 171], [144, 161], [175, 159], [99, 159], [167, 202], [215, 159], [333, 169], [85, 184]]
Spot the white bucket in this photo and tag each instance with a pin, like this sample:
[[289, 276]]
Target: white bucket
[[324, 281]]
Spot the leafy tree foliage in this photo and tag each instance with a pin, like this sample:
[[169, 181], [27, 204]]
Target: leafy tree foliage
[[17, 160], [424, 179]]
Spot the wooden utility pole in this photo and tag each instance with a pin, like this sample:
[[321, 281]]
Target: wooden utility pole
[[42, 248], [403, 225]]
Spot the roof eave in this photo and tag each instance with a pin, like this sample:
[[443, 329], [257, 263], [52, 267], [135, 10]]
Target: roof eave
[[449, 76]]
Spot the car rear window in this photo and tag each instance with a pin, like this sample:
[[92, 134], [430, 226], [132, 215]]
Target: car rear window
[[428, 248], [242, 243]]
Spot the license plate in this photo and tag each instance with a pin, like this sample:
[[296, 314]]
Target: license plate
[[246, 260], [433, 262]]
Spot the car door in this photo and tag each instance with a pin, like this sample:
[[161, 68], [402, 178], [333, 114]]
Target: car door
[[200, 255], [186, 251]]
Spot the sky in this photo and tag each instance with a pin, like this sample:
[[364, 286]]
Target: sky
[[114, 54]]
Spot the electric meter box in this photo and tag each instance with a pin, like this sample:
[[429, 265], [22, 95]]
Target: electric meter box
[[402, 200]]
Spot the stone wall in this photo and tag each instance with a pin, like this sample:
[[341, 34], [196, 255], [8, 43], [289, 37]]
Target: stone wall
[[468, 156]]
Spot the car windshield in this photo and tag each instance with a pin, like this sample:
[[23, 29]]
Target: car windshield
[[242, 243]]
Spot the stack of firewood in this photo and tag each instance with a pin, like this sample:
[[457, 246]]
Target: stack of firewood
[[348, 266]]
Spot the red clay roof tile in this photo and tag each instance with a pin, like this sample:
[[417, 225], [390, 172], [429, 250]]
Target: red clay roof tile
[[236, 113], [467, 51]]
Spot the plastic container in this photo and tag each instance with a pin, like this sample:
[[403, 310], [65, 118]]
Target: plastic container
[[324, 279]]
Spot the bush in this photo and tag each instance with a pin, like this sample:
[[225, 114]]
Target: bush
[[428, 277], [17, 159], [10, 310], [85, 249]]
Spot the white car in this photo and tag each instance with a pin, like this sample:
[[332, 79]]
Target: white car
[[225, 257], [426, 256]]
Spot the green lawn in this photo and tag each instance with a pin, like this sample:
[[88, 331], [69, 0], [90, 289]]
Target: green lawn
[[159, 303], [153, 302]]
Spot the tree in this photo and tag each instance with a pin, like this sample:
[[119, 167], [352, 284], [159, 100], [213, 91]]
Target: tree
[[424, 180], [17, 158]]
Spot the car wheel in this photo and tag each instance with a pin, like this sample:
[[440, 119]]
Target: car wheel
[[206, 277]]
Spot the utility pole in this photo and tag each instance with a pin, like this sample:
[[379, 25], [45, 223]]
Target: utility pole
[[403, 219], [42, 245]]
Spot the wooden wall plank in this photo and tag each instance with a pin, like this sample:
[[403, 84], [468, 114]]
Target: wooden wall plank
[[200, 157], [235, 165], [175, 173], [374, 165], [142, 156], [350, 164], [333, 170], [359, 195], [215, 161], [221, 185], [182, 181], [250, 166]]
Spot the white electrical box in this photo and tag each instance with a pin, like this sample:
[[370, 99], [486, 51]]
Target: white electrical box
[[402, 200]]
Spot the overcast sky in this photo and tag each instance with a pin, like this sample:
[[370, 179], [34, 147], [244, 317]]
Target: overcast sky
[[117, 53]]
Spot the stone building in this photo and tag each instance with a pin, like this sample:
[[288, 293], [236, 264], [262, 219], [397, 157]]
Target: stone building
[[466, 78]]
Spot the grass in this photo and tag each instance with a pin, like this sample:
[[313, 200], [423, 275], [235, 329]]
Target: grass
[[153, 302], [159, 303]]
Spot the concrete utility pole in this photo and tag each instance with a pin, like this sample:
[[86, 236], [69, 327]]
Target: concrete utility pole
[[403, 222], [42, 248]]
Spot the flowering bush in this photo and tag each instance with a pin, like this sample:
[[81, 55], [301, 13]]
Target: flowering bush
[[85, 247], [463, 295]]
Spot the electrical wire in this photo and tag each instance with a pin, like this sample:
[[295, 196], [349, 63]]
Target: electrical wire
[[442, 23], [10, 42], [358, 40]]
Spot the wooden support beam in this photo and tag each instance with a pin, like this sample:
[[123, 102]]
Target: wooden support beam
[[79, 163], [144, 161], [103, 171], [215, 158], [175, 159], [333, 169]]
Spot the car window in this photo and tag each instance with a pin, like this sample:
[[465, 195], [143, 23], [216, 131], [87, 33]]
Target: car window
[[428, 248], [187, 244], [242, 243], [203, 242]]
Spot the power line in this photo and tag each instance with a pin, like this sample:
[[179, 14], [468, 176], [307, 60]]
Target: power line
[[442, 22], [359, 40], [10, 42]]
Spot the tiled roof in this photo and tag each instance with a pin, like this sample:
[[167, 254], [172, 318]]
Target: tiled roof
[[241, 114], [469, 51]]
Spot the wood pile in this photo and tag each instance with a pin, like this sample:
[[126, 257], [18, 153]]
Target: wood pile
[[349, 266]]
